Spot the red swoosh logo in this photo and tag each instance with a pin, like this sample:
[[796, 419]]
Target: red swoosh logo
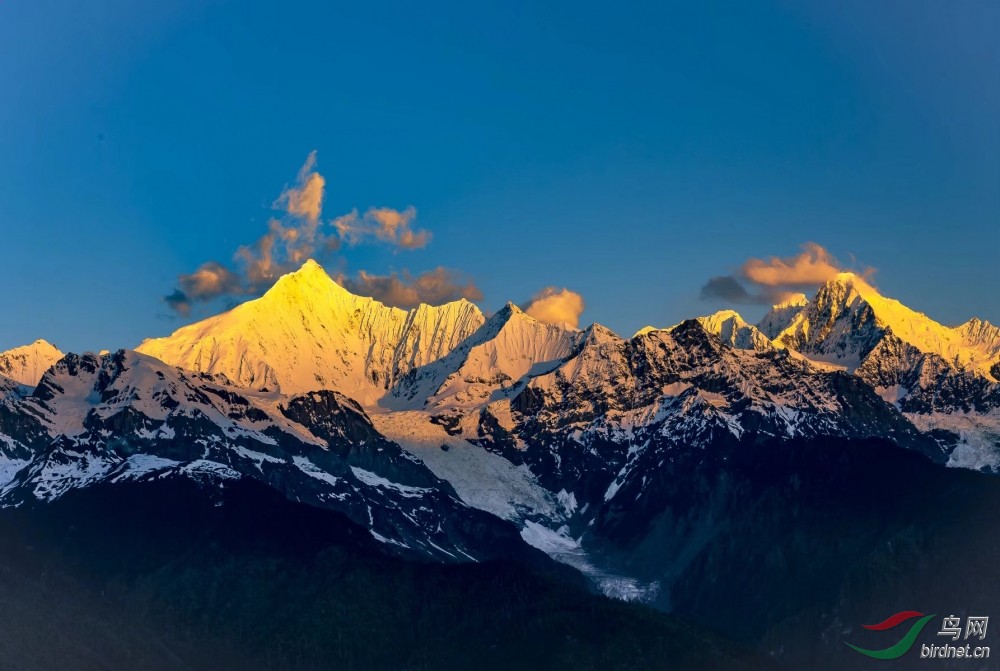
[[893, 620]]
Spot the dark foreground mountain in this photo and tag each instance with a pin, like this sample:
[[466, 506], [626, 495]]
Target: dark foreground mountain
[[790, 546], [168, 574]]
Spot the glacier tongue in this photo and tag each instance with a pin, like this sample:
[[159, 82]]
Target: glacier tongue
[[481, 479], [489, 482]]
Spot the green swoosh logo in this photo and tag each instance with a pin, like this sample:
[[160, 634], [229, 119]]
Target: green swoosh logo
[[900, 648]]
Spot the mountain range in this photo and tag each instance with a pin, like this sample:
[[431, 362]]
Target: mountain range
[[453, 436]]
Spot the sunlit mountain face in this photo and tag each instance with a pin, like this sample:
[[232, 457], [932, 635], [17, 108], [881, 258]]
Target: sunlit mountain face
[[765, 482]]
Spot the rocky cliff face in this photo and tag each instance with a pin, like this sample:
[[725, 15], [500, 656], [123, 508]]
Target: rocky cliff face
[[612, 414]]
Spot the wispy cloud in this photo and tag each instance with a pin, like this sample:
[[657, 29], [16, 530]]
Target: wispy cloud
[[771, 280], [729, 289], [382, 224], [298, 232], [305, 199], [179, 302], [211, 280], [556, 306]]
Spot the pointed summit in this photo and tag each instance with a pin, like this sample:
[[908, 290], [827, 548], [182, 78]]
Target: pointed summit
[[839, 326], [26, 365], [311, 266], [515, 331], [309, 272], [644, 330], [599, 333], [981, 335], [729, 327], [506, 318], [792, 301], [310, 282], [847, 286]]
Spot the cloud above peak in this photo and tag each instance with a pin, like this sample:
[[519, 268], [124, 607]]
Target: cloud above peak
[[210, 280], [298, 232], [557, 306], [812, 267], [305, 199], [774, 279], [405, 290], [382, 224]]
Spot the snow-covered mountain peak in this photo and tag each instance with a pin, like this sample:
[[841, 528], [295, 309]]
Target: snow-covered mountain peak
[[310, 282], [722, 315], [308, 332], [844, 289], [849, 324], [598, 333], [781, 315], [976, 325], [730, 328], [793, 301], [722, 319], [517, 325], [511, 318], [848, 277], [310, 266], [81, 390], [966, 347], [510, 345], [981, 335], [26, 365]]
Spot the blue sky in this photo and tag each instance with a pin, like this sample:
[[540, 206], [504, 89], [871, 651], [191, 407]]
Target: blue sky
[[627, 151]]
